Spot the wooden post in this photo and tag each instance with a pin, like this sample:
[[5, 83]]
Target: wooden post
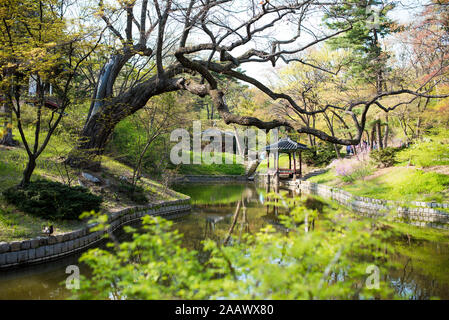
[[289, 161], [268, 161], [276, 185], [294, 166], [300, 164], [268, 172]]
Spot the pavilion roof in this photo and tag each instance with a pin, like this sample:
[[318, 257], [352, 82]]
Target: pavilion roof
[[286, 145]]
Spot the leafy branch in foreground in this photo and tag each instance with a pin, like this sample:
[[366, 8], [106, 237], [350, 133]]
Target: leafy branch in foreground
[[328, 261]]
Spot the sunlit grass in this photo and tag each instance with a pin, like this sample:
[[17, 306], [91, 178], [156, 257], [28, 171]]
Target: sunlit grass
[[230, 165], [399, 183]]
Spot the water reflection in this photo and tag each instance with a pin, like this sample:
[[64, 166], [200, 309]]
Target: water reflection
[[420, 270], [225, 213]]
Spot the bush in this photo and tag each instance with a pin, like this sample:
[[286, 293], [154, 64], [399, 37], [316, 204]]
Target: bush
[[433, 151], [384, 157], [134, 193], [350, 170], [320, 155], [53, 200]]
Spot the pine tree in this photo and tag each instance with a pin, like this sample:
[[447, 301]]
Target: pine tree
[[368, 61]]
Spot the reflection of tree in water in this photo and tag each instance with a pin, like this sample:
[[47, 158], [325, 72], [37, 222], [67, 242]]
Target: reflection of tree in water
[[423, 274], [420, 270]]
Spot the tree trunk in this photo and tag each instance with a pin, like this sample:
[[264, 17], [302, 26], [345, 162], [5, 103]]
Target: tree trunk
[[387, 132], [373, 132], [105, 116], [379, 135], [337, 150], [27, 173]]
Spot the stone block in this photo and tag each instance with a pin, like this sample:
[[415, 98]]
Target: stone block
[[34, 243], [2, 258], [12, 257], [70, 245], [22, 256], [43, 241], [57, 248], [32, 254], [25, 245], [40, 252], [4, 247], [51, 240], [15, 245], [48, 250]]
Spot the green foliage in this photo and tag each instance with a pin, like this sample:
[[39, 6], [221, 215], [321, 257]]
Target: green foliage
[[432, 151], [223, 168], [134, 192], [320, 155], [368, 22], [397, 183], [359, 172], [317, 264], [384, 157], [403, 184], [52, 200]]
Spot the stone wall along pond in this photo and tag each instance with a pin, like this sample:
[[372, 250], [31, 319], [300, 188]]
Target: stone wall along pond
[[43, 249], [422, 214]]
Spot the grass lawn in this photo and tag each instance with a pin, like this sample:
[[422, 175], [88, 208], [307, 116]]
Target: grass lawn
[[230, 165], [283, 163], [396, 183]]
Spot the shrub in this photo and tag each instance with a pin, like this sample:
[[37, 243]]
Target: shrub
[[384, 157], [53, 200], [433, 152], [134, 193], [320, 155], [350, 170]]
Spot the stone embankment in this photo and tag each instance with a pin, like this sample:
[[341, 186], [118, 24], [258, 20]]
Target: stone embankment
[[44, 249]]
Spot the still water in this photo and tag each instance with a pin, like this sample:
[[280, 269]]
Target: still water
[[235, 209]]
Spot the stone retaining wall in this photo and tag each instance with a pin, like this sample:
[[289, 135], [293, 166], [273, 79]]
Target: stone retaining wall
[[207, 179], [422, 214], [43, 249]]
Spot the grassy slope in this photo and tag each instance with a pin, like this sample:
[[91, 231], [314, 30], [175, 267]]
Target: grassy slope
[[234, 168], [16, 225], [399, 183], [403, 182]]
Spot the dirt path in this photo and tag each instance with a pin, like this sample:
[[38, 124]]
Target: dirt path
[[438, 169], [380, 172]]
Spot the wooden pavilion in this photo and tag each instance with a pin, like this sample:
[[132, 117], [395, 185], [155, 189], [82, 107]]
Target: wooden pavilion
[[290, 147]]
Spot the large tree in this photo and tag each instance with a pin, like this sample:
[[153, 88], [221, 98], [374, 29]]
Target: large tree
[[188, 42]]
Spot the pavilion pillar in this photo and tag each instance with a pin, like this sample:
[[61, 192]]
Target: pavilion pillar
[[268, 161], [268, 173], [294, 166], [276, 176]]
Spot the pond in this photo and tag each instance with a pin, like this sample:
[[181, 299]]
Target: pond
[[222, 210]]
